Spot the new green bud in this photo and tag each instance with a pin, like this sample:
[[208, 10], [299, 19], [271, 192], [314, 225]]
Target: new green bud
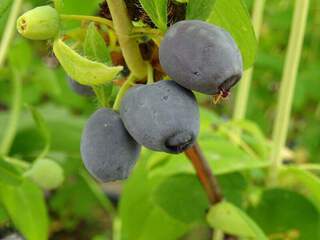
[[41, 23], [46, 173]]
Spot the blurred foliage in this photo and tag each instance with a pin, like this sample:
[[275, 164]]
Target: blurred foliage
[[304, 134]]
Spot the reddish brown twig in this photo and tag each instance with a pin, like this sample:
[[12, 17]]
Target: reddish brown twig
[[204, 173]]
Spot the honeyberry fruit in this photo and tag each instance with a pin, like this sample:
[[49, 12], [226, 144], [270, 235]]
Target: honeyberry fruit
[[108, 151], [83, 90], [162, 116], [201, 57], [40, 23], [46, 173]]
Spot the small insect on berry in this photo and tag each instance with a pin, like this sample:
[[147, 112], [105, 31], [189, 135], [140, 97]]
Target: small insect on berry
[[41, 23]]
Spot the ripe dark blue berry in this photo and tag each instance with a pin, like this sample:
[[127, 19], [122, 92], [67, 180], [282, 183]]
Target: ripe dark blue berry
[[107, 149], [162, 116], [79, 88], [201, 57]]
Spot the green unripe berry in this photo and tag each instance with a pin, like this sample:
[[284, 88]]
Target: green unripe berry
[[41, 23], [46, 173]]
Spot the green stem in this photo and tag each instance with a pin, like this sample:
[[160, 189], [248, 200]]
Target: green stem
[[99, 194], [242, 97], [124, 88], [136, 31], [129, 46], [9, 30], [101, 20], [150, 74], [17, 162], [293, 56], [14, 115], [99, 91], [116, 229], [310, 167], [217, 235], [147, 31]]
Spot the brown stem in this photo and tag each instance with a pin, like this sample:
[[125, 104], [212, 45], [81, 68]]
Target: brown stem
[[204, 173]]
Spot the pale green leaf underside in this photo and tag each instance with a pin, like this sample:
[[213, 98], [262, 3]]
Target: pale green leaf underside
[[81, 69], [230, 219]]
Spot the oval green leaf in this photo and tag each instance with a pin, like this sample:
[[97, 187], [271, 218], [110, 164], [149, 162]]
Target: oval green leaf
[[9, 174], [81, 69], [26, 208], [94, 46], [231, 219], [157, 11], [306, 182], [199, 9], [233, 16], [182, 188]]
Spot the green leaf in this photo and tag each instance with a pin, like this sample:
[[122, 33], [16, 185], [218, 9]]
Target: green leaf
[[141, 218], [81, 69], [58, 4], [199, 9], [4, 6], [182, 197], [256, 143], [77, 195], [3, 216], [234, 187], [233, 16], [157, 11], [95, 47], [46, 80], [303, 181], [9, 174], [282, 212], [21, 56], [43, 129], [231, 219], [26, 208], [65, 130]]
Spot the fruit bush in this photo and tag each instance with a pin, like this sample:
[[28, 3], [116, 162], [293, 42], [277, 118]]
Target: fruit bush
[[159, 119]]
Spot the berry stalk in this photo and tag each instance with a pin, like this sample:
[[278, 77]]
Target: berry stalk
[[129, 46], [87, 18], [124, 88], [287, 86], [204, 173], [242, 97]]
